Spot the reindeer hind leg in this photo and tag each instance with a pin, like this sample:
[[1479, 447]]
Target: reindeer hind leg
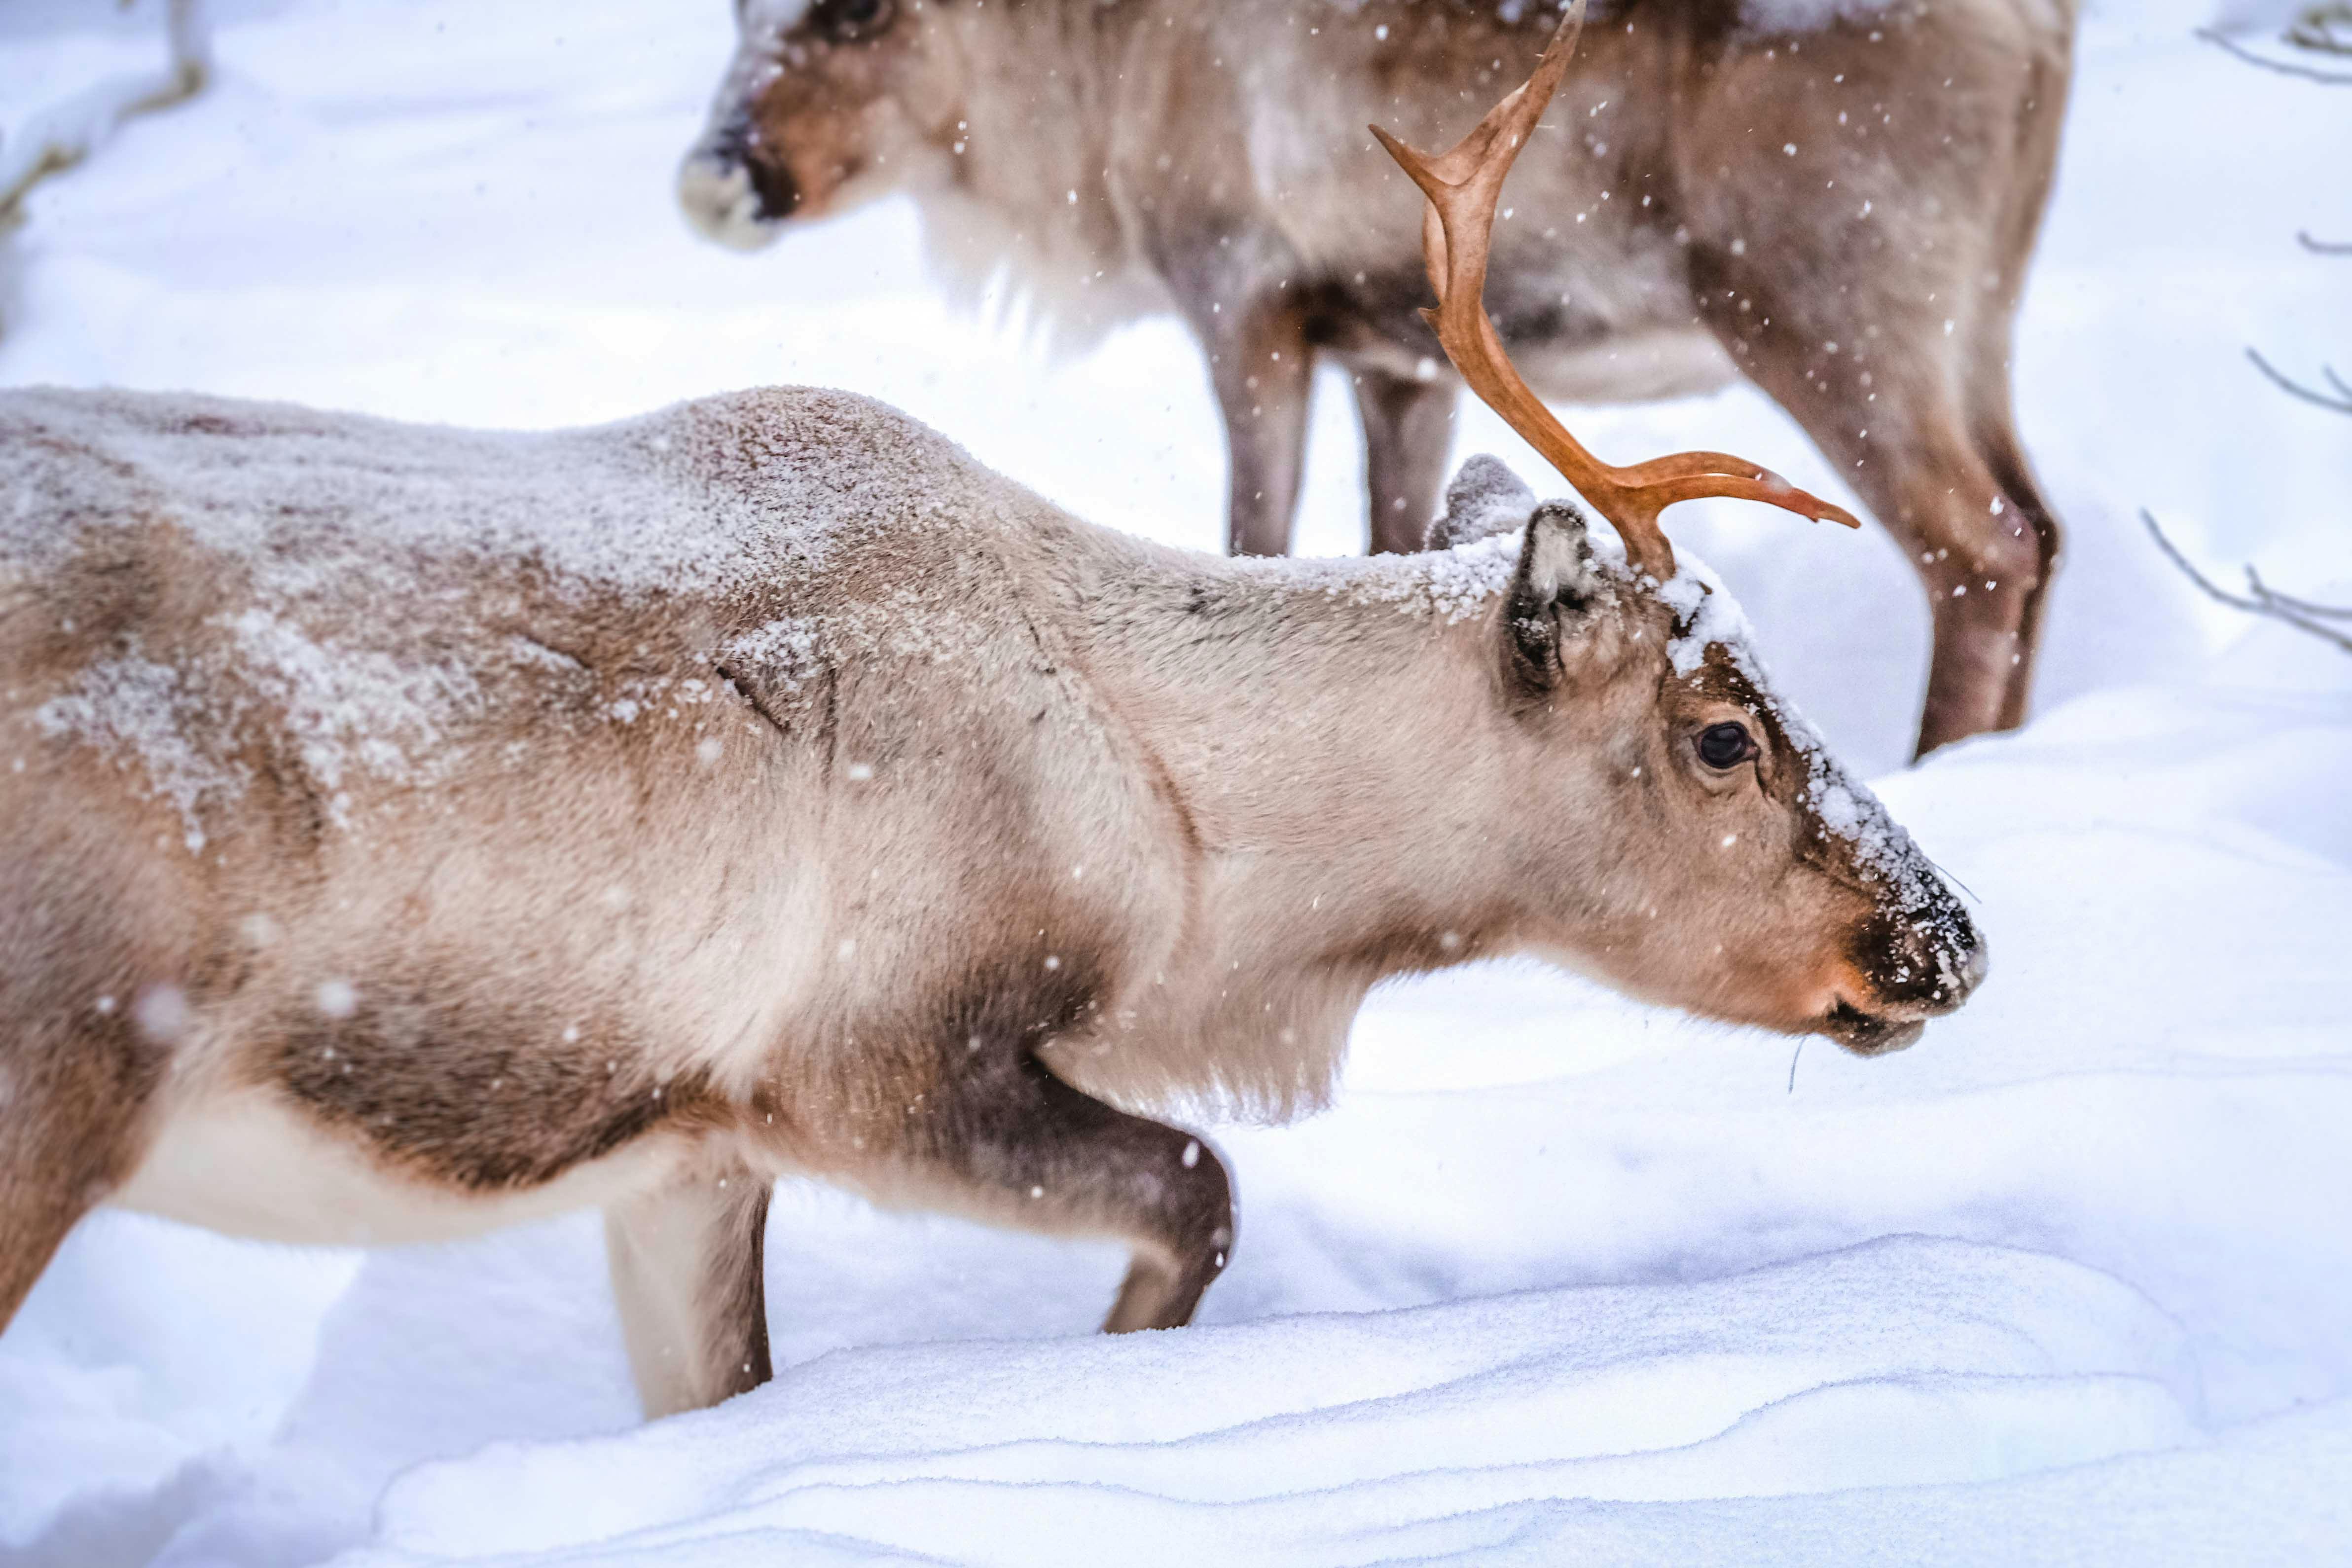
[[1972, 540], [1990, 406], [1877, 312]]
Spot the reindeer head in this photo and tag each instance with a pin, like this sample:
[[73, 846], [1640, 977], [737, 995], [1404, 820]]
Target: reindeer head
[[1743, 874], [828, 102], [1686, 837]]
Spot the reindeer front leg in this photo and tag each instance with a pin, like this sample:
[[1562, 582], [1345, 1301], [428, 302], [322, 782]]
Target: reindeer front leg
[[1013, 1145], [687, 1261], [1408, 430], [1247, 312]]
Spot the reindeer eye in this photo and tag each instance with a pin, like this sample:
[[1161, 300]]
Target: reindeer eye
[[1724, 746], [852, 20]]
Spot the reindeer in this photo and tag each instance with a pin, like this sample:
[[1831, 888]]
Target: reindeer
[[407, 832], [1836, 198]]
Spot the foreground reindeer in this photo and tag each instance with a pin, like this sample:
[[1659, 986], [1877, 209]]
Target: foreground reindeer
[[1842, 211], [406, 832]]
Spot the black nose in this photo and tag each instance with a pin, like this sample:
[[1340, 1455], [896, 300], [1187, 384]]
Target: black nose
[[773, 183], [1923, 962]]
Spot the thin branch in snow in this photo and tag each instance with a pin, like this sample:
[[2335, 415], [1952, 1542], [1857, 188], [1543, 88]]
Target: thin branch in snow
[[2341, 403], [2299, 614], [59, 138], [2284, 68], [2300, 607], [2324, 247], [2328, 29]]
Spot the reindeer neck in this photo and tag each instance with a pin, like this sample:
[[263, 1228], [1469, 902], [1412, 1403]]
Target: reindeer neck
[[1325, 727], [1030, 67]]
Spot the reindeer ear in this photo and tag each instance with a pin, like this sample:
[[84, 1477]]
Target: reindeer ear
[[1484, 499], [1555, 581]]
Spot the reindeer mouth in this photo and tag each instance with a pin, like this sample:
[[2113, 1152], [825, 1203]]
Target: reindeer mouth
[[1867, 1035], [728, 201]]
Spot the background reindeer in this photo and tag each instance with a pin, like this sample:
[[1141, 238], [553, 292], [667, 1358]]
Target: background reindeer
[[1843, 213]]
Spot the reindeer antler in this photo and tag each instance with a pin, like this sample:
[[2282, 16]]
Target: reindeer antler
[[1456, 233]]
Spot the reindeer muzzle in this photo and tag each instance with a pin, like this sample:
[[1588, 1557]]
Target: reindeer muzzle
[[1909, 970], [733, 195]]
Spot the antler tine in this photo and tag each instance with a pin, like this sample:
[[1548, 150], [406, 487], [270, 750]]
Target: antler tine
[[1462, 186]]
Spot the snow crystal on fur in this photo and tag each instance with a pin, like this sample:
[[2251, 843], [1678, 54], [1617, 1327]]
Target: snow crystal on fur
[[1707, 616], [365, 556], [137, 709], [1806, 16]]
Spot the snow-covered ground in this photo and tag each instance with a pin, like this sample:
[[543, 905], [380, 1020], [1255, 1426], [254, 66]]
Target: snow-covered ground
[[1561, 1280]]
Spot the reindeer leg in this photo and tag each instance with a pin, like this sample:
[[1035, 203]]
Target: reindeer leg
[[1261, 367], [1885, 333], [77, 1075], [1014, 1145], [1263, 372], [1996, 438], [687, 1262], [1976, 548], [2033, 162], [1408, 430]]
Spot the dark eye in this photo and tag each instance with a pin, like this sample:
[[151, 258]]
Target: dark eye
[[1724, 746], [852, 20]]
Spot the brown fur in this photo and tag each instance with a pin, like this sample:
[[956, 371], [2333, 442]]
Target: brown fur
[[409, 831], [1662, 234]]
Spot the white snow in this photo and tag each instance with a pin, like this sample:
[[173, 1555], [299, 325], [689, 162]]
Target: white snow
[[65, 133], [140, 711], [1560, 1278]]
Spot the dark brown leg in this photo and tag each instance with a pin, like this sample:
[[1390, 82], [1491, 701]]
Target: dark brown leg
[[1014, 1144], [67, 1141], [1976, 550], [80, 1058], [686, 1269], [1997, 441], [2041, 116], [1408, 430]]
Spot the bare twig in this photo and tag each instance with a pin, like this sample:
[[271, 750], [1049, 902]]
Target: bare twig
[[61, 137], [2230, 46], [2340, 404], [2303, 616], [2324, 247], [2300, 607]]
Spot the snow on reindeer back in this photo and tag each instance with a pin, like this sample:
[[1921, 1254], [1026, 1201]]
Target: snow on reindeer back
[[367, 574], [689, 497], [1759, 15], [1810, 16]]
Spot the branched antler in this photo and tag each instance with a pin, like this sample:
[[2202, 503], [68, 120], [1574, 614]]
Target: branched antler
[[1456, 235], [2260, 598]]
